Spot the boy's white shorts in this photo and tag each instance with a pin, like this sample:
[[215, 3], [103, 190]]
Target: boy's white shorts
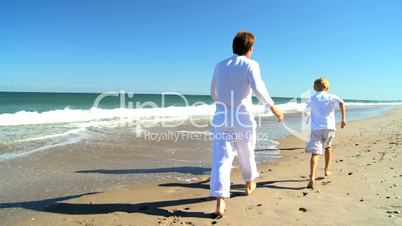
[[319, 140]]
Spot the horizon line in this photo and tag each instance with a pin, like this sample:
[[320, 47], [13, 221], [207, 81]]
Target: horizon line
[[188, 94]]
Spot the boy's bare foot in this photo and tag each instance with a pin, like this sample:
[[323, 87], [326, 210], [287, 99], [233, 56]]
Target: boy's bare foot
[[220, 209], [250, 187], [328, 173], [310, 184]]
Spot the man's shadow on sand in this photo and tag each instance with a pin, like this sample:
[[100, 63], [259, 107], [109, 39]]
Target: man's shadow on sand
[[159, 208], [194, 170], [58, 205]]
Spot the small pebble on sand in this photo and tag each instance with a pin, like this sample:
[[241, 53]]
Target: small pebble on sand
[[302, 209]]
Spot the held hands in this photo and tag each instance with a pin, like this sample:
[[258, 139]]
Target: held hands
[[277, 112], [343, 123]]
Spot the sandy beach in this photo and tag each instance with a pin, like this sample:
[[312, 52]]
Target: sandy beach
[[365, 189]]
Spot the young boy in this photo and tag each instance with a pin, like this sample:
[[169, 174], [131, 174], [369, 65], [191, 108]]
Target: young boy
[[321, 109]]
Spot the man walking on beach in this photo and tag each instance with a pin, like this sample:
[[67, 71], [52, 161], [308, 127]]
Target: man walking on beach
[[233, 125]]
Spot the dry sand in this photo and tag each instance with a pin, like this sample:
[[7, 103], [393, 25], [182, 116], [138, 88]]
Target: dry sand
[[365, 189]]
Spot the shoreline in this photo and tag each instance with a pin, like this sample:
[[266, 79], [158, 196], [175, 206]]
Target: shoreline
[[360, 197]]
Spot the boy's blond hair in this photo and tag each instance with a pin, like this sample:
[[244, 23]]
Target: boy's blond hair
[[321, 84]]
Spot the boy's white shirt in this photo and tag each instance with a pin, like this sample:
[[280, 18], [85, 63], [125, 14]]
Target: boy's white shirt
[[322, 110]]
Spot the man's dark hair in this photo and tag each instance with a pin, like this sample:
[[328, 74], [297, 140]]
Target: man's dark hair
[[243, 42]]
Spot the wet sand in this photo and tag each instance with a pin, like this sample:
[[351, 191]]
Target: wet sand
[[365, 189]]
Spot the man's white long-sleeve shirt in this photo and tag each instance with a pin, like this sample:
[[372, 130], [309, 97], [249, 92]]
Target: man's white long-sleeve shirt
[[233, 83]]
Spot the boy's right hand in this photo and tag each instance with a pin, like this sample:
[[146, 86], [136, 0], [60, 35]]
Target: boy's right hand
[[277, 112], [343, 124]]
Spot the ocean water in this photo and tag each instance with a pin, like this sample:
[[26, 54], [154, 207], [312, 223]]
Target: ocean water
[[34, 122], [54, 145]]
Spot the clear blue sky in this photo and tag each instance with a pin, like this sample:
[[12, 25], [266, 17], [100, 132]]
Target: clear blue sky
[[173, 45]]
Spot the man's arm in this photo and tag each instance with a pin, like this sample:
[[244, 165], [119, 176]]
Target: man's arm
[[277, 112], [343, 112], [260, 90], [258, 86]]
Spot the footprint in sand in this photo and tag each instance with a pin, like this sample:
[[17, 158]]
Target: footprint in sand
[[326, 182], [254, 206]]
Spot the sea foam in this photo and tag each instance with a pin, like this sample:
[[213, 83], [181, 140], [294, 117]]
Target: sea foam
[[68, 115]]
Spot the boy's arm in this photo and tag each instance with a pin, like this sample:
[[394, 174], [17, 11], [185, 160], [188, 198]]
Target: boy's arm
[[308, 116], [343, 112], [307, 112]]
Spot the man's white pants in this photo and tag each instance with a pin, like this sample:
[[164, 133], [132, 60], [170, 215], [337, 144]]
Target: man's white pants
[[226, 143]]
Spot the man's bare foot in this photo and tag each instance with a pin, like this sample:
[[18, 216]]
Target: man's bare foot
[[250, 187], [220, 208], [328, 173], [310, 184]]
